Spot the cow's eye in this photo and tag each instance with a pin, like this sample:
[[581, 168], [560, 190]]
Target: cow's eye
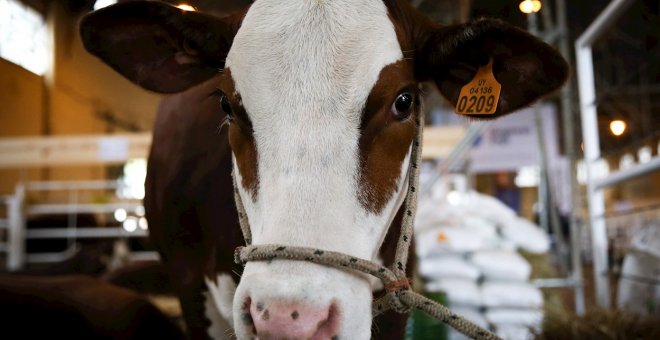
[[403, 105], [224, 104]]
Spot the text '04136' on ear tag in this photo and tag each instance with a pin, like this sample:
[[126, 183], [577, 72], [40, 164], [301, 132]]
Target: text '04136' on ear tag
[[481, 95]]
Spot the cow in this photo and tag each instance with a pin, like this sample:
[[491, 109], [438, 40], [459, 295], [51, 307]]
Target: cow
[[78, 307], [316, 104]]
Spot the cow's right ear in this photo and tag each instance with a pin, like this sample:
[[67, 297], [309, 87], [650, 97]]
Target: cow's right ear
[[158, 46], [526, 67]]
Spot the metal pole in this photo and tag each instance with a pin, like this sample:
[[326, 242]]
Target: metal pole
[[532, 27], [633, 172], [548, 216], [603, 22], [547, 212], [16, 238], [85, 232], [595, 197], [569, 145], [588, 112]]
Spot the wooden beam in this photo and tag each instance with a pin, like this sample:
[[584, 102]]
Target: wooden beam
[[72, 150], [118, 148], [439, 141]]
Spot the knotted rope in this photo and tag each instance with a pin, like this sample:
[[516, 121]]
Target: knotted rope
[[399, 296]]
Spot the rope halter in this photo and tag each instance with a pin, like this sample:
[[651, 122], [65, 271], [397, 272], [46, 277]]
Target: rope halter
[[399, 296]]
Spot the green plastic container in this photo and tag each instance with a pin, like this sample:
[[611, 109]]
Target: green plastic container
[[421, 326]]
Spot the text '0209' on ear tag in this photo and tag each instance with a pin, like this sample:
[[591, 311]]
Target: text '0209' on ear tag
[[481, 95]]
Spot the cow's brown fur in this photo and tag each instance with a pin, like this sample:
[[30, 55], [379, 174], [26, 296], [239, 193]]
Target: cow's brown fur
[[241, 136], [189, 201], [78, 307], [384, 140]]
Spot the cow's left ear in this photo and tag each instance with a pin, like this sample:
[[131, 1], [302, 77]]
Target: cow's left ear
[[158, 46], [526, 67]]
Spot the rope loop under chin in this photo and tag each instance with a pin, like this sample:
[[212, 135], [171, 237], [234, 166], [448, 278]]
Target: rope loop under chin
[[399, 295]]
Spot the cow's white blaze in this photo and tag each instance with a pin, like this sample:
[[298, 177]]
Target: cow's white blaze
[[304, 70]]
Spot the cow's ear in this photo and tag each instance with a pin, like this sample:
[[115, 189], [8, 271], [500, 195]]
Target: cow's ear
[[158, 46], [526, 67]]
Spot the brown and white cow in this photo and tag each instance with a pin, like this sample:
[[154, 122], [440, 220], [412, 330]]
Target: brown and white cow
[[320, 98], [78, 307]]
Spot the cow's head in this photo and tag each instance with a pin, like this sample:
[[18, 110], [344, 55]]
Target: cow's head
[[321, 98]]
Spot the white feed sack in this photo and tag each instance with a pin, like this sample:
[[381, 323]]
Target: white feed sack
[[502, 265], [483, 229], [488, 207], [515, 316], [463, 292], [435, 208], [513, 332], [448, 266], [526, 235], [511, 294], [446, 239], [507, 245], [638, 290], [449, 210], [647, 239], [430, 213]]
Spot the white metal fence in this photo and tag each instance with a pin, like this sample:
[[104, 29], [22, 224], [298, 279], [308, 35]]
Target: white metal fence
[[70, 199], [588, 111]]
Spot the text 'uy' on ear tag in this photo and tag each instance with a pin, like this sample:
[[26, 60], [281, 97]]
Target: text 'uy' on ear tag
[[481, 95]]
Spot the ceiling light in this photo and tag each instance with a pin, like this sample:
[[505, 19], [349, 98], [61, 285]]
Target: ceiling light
[[530, 6], [618, 127], [103, 3], [186, 7]]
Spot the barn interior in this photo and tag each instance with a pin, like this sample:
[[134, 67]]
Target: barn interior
[[564, 199]]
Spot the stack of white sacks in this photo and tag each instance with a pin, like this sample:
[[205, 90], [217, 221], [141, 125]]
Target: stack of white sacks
[[467, 247], [638, 291]]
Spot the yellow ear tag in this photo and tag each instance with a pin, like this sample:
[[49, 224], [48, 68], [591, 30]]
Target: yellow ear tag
[[481, 95]]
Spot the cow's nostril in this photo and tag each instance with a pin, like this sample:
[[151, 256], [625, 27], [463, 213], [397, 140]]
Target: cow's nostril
[[246, 316], [247, 319], [286, 320], [329, 328]]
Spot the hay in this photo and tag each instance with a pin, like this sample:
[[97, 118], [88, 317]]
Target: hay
[[599, 324], [560, 323]]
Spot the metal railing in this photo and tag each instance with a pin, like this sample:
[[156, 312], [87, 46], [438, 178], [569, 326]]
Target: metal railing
[[12, 243], [592, 152], [4, 224], [19, 211]]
